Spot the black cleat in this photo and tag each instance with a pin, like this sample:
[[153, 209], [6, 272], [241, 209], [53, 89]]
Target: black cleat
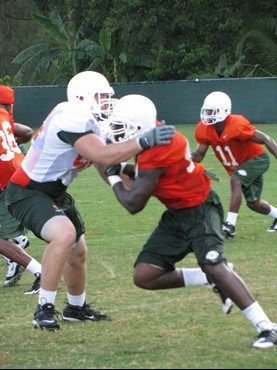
[[84, 313], [273, 227], [45, 318], [229, 230], [35, 288]]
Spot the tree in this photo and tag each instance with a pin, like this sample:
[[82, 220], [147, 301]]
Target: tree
[[64, 52], [258, 43]]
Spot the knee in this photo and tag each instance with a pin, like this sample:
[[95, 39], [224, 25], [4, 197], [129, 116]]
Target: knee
[[78, 256], [252, 205], [82, 255], [214, 272], [68, 238], [140, 281], [61, 232], [235, 183]]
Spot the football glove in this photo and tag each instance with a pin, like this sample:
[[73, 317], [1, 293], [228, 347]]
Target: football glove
[[159, 135], [113, 170]]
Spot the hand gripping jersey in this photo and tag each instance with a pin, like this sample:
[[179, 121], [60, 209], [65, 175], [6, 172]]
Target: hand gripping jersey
[[51, 156], [183, 184], [232, 147], [10, 154]]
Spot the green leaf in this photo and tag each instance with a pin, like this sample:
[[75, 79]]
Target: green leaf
[[105, 39], [54, 30]]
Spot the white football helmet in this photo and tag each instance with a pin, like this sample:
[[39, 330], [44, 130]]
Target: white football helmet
[[93, 90], [133, 115], [216, 107]]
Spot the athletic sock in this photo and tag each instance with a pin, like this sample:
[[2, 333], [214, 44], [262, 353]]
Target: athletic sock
[[34, 267], [46, 296], [232, 218], [76, 300], [259, 319], [194, 277], [273, 212]]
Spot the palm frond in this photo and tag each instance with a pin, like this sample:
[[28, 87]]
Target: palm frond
[[94, 64], [90, 47], [52, 29], [105, 39], [30, 52], [58, 22], [47, 56]]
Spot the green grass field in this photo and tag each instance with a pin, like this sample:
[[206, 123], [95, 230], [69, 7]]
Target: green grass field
[[173, 329]]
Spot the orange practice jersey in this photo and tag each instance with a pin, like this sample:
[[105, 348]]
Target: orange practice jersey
[[10, 154], [183, 184], [233, 147]]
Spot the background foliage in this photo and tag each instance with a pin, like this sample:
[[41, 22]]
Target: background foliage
[[137, 40]]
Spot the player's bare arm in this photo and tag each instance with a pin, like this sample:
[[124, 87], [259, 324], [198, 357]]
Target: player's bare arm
[[22, 133], [134, 200], [262, 138], [95, 149], [199, 153]]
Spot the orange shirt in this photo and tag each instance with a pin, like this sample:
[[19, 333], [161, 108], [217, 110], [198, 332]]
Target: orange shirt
[[10, 154], [183, 184], [233, 147]]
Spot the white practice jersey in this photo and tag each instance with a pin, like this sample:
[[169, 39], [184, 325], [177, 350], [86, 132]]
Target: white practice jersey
[[51, 159]]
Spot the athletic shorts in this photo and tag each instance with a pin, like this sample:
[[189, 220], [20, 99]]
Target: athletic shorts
[[34, 208], [10, 228], [195, 230], [250, 174]]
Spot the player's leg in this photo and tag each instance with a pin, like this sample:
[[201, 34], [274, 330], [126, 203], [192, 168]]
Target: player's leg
[[228, 227], [210, 256], [46, 225], [256, 204], [169, 243], [251, 176], [13, 229], [246, 180], [237, 290], [74, 275]]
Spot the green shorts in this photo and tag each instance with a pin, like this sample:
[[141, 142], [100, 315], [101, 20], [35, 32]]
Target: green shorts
[[250, 174], [10, 228], [195, 230], [34, 208]]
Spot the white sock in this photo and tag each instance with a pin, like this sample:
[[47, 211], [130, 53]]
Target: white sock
[[259, 319], [232, 218], [193, 277], [76, 300], [273, 212], [46, 296], [34, 267]]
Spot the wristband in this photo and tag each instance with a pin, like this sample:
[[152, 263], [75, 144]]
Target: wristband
[[114, 180], [122, 167]]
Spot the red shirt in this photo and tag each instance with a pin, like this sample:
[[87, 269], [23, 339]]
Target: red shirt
[[10, 154], [233, 147], [183, 184]]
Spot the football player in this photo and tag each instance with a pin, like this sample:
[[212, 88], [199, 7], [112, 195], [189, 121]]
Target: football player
[[192, 221], [11, 136], [70, 139], [238, 145]]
